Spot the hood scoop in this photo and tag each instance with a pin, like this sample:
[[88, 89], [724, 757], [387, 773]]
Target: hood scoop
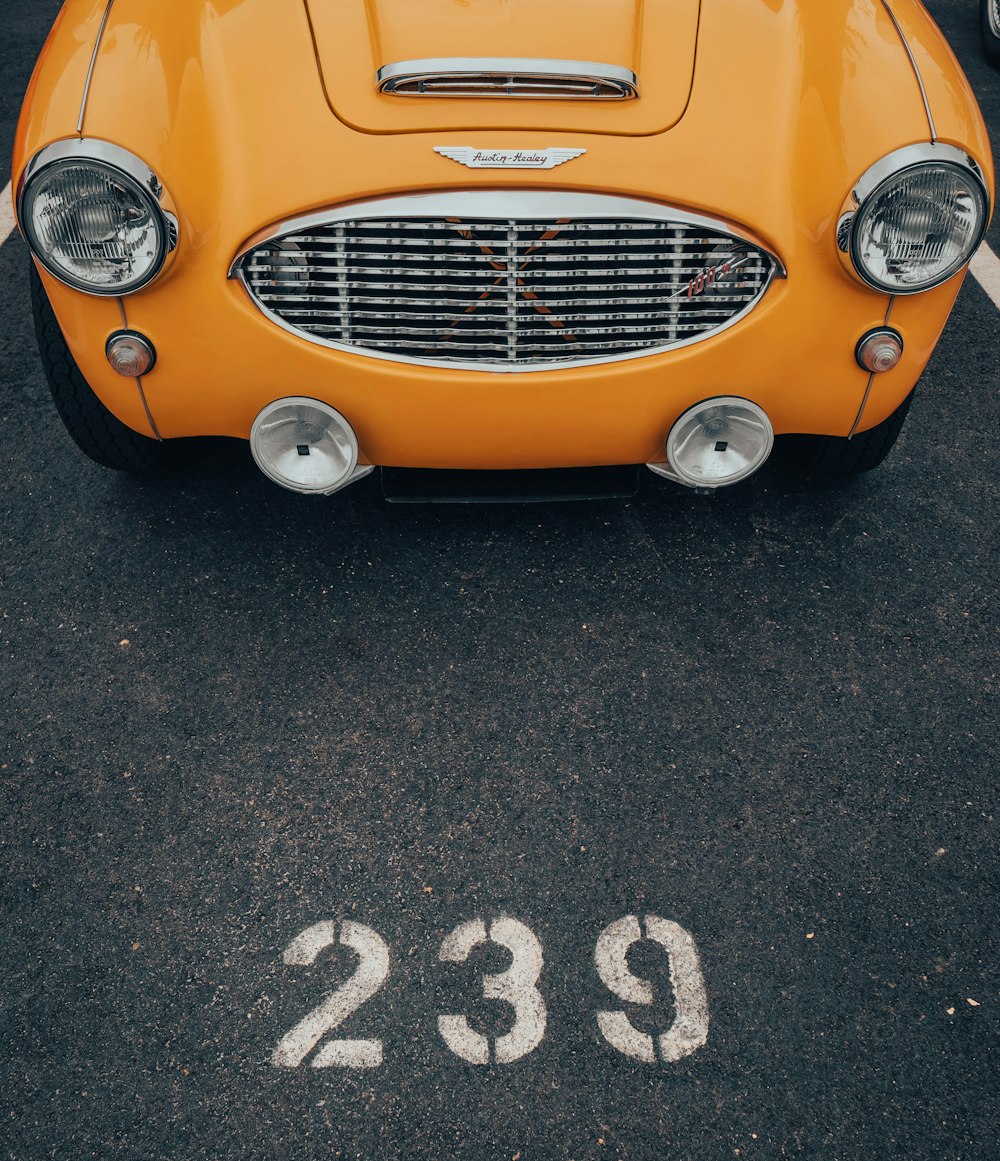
[[566, 80], [548, 65]]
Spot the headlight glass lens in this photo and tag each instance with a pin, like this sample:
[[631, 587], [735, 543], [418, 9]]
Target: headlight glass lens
[[918, 228], [94, 227]]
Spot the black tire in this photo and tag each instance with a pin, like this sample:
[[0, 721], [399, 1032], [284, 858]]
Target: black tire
[[989, 30], [833, 456], [95, 431]]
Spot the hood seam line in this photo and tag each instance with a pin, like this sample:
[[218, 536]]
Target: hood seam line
[[93, 63], [916, 70]]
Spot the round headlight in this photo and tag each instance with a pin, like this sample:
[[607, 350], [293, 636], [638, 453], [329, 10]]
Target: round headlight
[[91, 214], [921, 214]]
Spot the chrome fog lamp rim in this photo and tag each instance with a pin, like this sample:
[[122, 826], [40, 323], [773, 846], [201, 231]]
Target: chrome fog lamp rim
[[719, 442], [877, 181], [290, 430], [124, 167]]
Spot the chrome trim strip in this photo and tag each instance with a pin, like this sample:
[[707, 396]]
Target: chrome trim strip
[[93, 63], [145, 405], [916, 70], [622, 80], [139, 383], [492, 204], [871, 379]]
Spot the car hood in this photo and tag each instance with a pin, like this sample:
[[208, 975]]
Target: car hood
[[224, 101], [655, 40]]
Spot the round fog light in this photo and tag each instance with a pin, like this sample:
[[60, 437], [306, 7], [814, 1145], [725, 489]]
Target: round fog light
[[304, 445], [719, 442], [130, 354], [880, 350]]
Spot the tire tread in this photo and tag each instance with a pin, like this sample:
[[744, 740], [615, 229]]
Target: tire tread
[[97, 433], [838, 456]]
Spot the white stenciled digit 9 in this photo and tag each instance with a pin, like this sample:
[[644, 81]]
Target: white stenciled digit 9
[[689, 1030]]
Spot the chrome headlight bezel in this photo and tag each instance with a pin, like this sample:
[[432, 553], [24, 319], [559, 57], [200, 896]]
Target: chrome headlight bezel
[[879, 180], [133, 174]]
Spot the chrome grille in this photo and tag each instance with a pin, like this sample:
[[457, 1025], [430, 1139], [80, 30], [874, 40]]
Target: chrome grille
[[507, 293], [508, 77]]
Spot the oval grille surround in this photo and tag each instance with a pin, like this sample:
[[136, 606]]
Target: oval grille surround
[[506, 293]]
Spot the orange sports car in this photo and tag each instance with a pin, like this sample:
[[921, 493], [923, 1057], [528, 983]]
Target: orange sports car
[[496, 234]]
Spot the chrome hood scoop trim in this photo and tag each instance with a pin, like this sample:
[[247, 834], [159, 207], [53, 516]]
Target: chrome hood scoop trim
[[525, 78]]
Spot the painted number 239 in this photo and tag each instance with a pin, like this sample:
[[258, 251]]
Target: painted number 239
[[518, 985]]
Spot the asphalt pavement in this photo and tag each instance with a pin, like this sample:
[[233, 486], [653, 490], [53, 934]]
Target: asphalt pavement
[[262, 755]]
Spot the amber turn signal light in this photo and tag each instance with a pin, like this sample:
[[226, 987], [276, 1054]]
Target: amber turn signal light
[[879, 350], [130, 354]]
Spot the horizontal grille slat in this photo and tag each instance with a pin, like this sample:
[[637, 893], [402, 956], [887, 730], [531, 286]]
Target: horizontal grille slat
[[646, 317], [461, 352], [489, 275], [459, 235], [597, 267], [321, 259], [602, 301], [615, 327], [507, 293]]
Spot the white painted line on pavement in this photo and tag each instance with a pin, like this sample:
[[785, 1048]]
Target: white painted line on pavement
[[985, 267], [7, 222]]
